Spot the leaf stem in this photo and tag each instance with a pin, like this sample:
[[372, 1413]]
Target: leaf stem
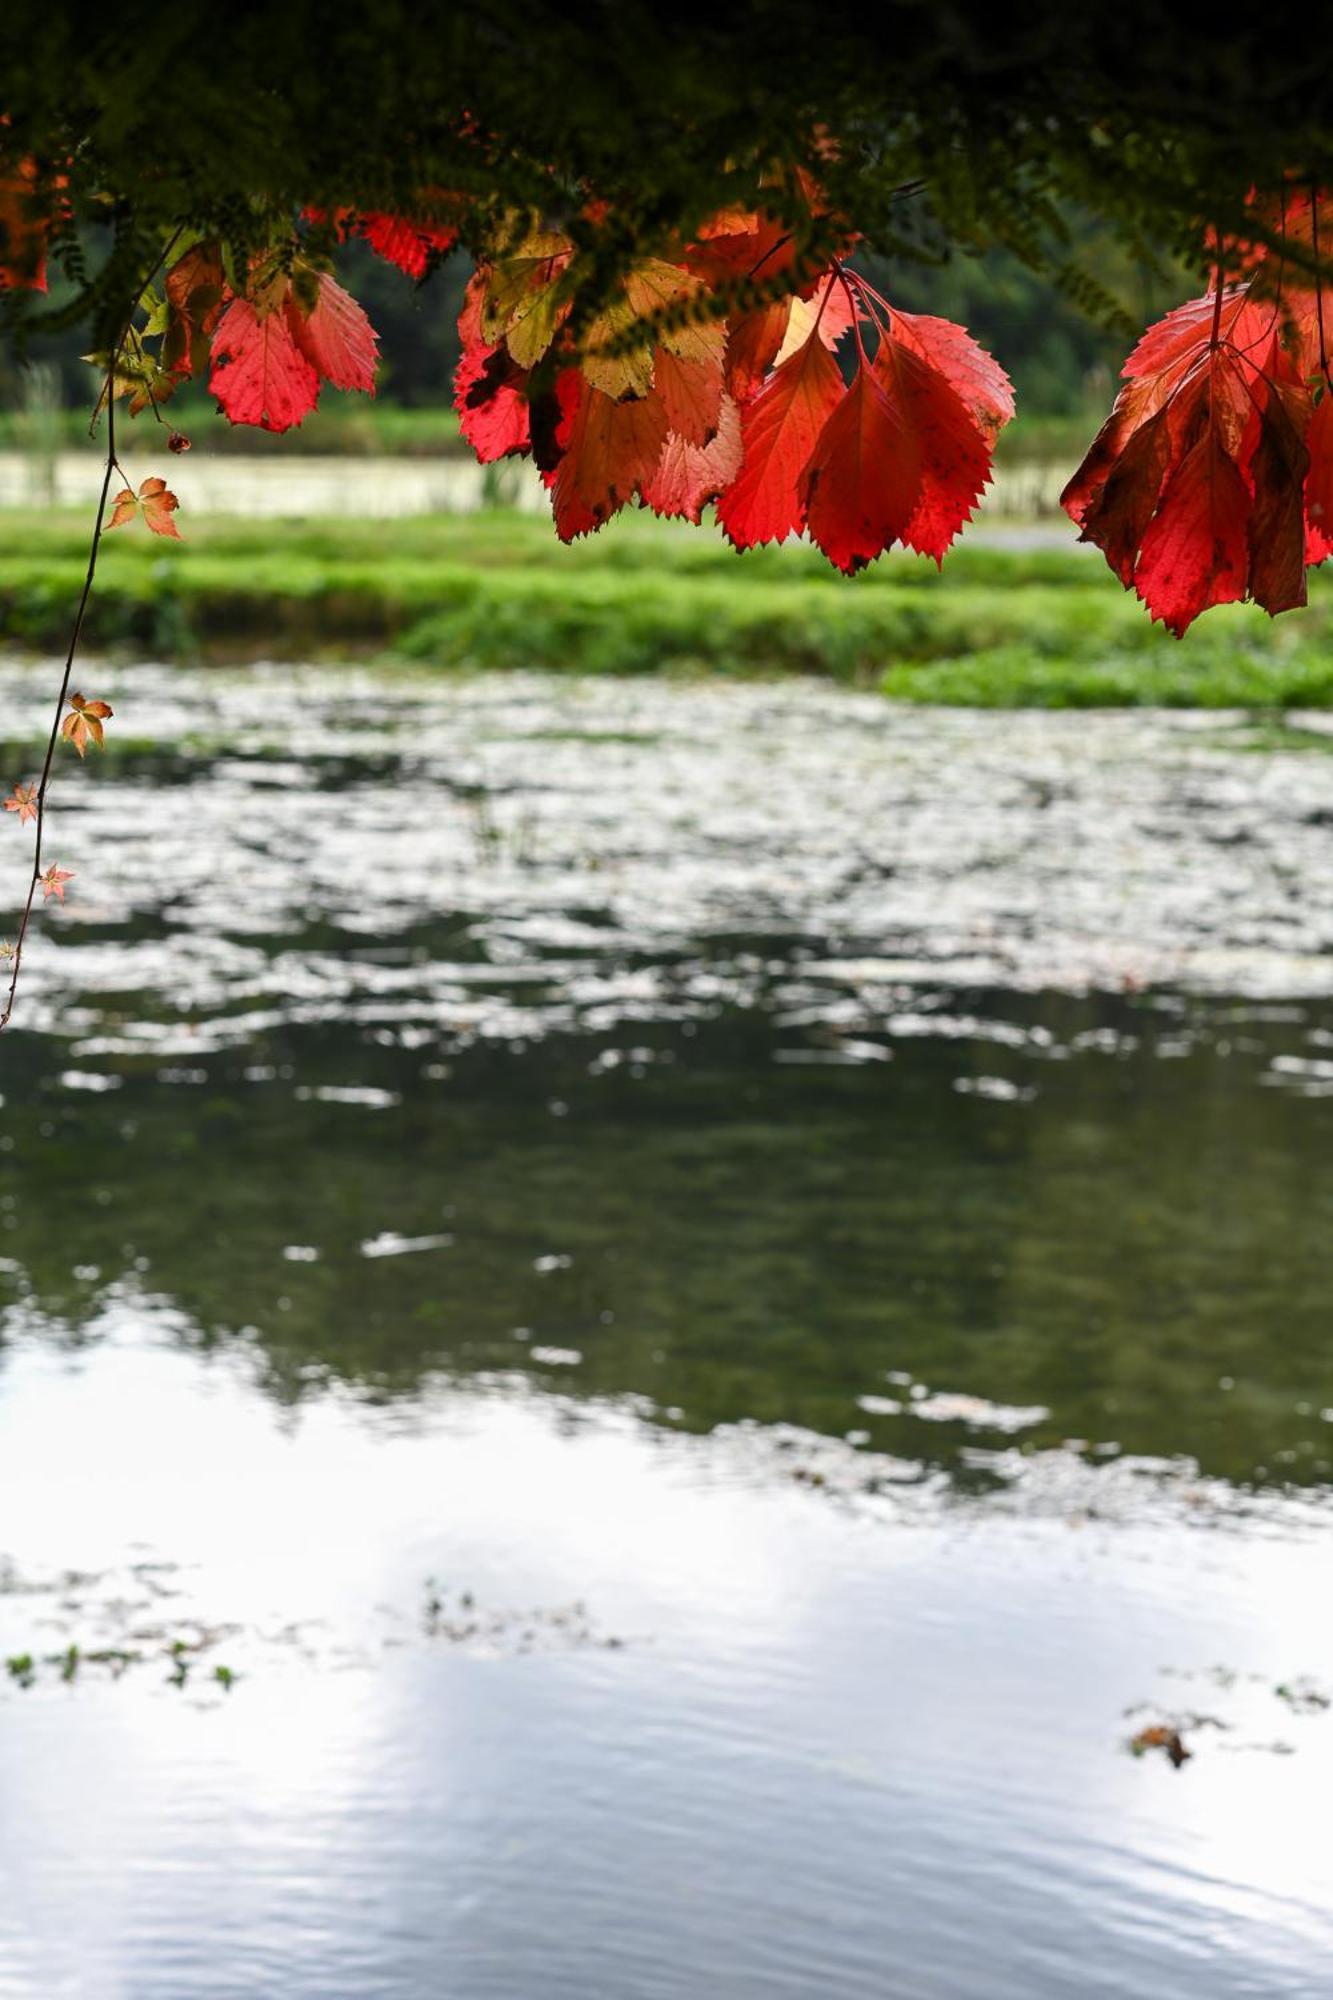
[[1318, 281]]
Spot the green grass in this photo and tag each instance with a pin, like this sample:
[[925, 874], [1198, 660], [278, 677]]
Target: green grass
[[1044, 628]]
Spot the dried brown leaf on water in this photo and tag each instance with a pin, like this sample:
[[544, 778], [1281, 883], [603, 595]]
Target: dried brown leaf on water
[[1160, 1736]]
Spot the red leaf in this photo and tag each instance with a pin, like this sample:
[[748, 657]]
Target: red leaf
[[1195, 552], [779, 430], [489, 395], [975, 377], [864, 476], [1319, 481], [691, 393], [410, 242], [336, 337], [608, 452], [1277, 469], [1195, 488], [951, 452], [688, 476], [259, 374], [25, 225], [739, 244], [1119, 505], [752, 343], [1181, 335], [828, 308]]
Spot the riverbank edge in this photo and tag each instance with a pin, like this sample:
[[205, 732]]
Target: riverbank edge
[[1034, 629]]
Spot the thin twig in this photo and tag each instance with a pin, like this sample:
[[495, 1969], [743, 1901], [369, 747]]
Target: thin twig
[[44, 782], [110, 467]]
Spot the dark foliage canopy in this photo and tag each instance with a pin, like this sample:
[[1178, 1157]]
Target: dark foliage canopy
[[931, 122]]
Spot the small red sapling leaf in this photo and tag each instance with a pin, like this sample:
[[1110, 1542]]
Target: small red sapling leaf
[[85, 720], [178, 442], [53, 882], [23, 801]]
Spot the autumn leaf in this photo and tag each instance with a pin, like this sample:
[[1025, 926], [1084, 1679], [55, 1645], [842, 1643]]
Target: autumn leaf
[[691, 393], [195, 292], [1195, 551], [779, 430], [828, 308], [335, 337], [490, 389], [53, 882], [154, 501], [1319, 481], [411, 242], [259, 373], [25, 225], [490, 395], [687, 476], [1276, 459], [861, 483], [522, 305], [1164, 1737], [1196, 487], [25, 801], [84, 722], [753, 341], [950, 441], [975, 376], [608, 451]]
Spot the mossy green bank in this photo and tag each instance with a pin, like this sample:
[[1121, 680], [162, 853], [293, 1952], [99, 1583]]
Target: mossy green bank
[[998, 627]]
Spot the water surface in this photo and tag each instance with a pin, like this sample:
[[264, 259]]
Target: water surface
[[705, 1297]]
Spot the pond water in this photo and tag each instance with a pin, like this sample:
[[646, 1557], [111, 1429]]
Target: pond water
[[643, 1325], [226, 482]]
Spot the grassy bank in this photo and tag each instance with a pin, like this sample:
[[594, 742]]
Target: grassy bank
[[1043, 627]]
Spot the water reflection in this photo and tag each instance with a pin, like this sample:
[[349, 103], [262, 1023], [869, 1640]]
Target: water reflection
[[1131, 1245]]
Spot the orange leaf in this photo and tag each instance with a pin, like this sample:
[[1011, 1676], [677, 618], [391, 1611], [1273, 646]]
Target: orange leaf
[[194, 292], [608, 452], [154, 501], [85, 720], [24, 801], [53, 882]]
